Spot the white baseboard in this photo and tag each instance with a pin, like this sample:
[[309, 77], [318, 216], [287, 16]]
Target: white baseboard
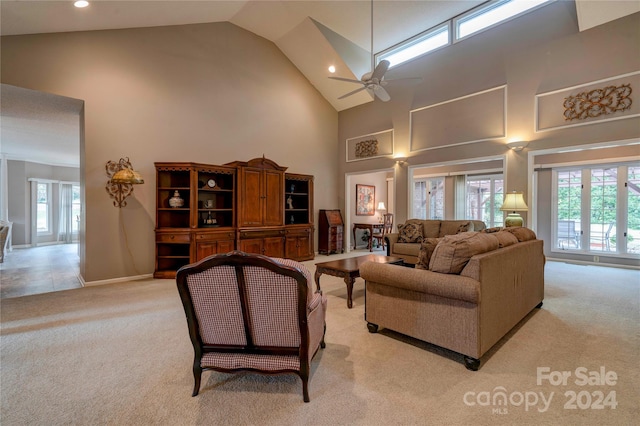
[[586, 263], [114, 280]]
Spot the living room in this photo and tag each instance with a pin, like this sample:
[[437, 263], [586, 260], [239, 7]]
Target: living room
[[216, 93]]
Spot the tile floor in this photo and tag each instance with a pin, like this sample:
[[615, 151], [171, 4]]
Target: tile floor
[[39, 270]]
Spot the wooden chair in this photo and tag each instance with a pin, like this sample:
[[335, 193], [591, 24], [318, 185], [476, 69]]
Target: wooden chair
[[386, 229], [250, 312]]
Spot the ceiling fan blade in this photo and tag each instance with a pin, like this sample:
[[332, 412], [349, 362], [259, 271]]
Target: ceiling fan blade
[[381, 93], [350, 80], [381, 68], [353, 92]]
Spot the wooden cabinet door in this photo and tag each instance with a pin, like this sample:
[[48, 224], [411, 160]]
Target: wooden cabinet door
[[205, 249], [273, 198], [274, 247], [225, 246], [305, 249], [291, 247], [253, 245], [299, 244], [251, 202]]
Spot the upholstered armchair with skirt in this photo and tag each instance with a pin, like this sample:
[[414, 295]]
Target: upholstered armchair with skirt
[[250, 312]]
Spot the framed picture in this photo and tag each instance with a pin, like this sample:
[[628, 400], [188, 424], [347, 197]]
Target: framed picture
[[365, 200]]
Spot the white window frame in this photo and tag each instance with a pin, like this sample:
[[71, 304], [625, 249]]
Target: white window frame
[[427, 183], [489, 8], [492, 178], [76, 221], [49, 204]]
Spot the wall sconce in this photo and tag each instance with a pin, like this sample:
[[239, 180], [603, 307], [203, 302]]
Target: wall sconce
[[517, 145], [401, 161], [514, 202], [122, 177]]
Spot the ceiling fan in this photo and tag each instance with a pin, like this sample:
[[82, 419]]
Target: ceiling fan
[[373, 82]]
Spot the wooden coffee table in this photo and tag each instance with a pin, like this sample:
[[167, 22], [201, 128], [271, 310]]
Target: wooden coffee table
[[349, 269]]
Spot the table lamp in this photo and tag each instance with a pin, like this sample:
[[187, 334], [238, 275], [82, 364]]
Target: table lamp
[[514, 202]]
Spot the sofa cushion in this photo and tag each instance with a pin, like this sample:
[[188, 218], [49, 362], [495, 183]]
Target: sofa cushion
[[426, 250], [505, 238], [410, 232], [521, 233], [454, 251], [451, 227], [431, 228]]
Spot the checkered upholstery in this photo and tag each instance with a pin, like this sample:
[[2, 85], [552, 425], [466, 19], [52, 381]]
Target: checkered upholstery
[[243, 314], [216, 302]]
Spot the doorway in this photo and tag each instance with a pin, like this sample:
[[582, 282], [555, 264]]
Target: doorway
[[383, 183], [42, 135]]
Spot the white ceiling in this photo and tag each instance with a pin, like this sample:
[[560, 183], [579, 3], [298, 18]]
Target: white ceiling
[[312, 34]]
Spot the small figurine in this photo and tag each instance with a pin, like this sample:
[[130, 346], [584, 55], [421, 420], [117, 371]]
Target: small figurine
[[290, 202], [292, 220], [210, 220], [293, 188]]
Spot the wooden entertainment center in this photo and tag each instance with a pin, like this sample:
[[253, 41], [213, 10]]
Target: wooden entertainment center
[[253, 206]]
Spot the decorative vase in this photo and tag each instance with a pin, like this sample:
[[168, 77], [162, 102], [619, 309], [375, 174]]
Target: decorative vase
[[176, 201]]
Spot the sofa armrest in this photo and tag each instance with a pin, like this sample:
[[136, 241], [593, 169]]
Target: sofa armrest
[[423, 281], [390, 240]]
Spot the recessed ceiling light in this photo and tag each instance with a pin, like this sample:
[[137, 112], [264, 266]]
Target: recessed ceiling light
[[81, 3], [332, 69]]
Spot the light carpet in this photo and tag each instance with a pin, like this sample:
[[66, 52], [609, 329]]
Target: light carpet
[[120, 354]]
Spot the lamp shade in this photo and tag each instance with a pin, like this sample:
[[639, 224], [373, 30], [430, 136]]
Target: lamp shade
[[381, 206], [514, 202], [127, 176]]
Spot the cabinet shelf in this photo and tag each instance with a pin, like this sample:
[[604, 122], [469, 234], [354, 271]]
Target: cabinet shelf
[[215, 190]]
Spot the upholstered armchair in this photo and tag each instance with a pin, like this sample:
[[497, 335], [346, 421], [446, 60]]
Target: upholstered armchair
[[251, 312]]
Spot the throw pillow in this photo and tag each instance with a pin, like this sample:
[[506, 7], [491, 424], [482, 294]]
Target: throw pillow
[[505, 238], [427, 247], [521, 233], [410, 233], [492, 230], [464, 227], [452, 254]]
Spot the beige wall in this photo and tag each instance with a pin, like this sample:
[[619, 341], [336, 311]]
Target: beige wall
[[211, 93], [537, 53]]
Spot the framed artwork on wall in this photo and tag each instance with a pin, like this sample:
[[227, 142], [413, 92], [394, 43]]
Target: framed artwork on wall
[[365, 200]]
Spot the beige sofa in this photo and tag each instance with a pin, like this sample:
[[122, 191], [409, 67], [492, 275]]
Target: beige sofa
[[430, 229], [466, 313]]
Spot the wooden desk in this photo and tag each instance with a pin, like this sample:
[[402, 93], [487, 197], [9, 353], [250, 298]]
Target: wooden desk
[[349, 270], [371, 227]]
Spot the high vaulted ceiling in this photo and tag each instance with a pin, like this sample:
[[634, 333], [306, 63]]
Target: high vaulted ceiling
[[312, 34]]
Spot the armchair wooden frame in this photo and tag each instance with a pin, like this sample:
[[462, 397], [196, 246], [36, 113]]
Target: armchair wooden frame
[[239, 261]]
